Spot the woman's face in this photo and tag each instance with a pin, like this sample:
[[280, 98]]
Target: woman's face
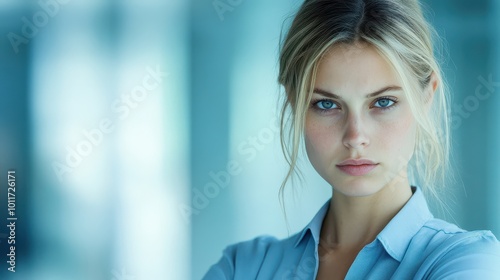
[[358, 111]]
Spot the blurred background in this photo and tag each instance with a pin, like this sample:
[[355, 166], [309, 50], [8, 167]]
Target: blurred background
[[144, 139]]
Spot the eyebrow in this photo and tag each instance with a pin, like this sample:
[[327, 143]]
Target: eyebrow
[[373, 94]]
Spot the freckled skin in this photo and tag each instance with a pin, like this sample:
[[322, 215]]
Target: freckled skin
[[357, 128]]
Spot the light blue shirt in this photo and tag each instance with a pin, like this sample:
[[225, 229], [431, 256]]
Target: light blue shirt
[[413, 245]]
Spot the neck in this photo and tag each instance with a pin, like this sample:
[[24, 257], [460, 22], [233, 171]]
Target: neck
[[352, 222]]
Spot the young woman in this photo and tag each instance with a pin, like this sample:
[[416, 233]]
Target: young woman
[[365, 96]]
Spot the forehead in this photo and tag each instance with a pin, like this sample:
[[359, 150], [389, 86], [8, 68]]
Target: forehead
[[358, 68]]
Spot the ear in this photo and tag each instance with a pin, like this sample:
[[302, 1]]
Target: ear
[[431, 89]]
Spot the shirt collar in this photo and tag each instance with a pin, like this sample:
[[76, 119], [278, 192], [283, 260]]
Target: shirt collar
[[396, 235], [314, 226]]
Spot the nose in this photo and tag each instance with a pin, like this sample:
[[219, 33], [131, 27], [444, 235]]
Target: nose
[[355, 136]]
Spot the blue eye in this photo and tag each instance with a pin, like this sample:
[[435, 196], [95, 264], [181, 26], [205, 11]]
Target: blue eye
[[385, 103], [325, 104]]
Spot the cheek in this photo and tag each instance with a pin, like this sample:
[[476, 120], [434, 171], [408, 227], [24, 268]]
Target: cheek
[[316, 133], [394, 135], [322, 137], [398, 137]]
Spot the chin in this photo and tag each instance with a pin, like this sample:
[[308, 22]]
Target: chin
[[357, 187]]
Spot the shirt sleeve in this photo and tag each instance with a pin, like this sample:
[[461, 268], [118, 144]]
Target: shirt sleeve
[[474, 257], [224, 268]]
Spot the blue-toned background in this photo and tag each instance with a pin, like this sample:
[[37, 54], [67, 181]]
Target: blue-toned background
[[144, 134]]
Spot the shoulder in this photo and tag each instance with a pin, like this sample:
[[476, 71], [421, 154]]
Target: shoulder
[[248, 256], [257, 249], [252, 248], [449, 236], [455, 253]]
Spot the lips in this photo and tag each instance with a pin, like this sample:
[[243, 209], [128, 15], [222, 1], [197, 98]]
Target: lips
[[357, 167]]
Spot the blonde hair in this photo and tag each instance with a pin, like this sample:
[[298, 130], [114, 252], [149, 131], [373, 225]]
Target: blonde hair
[[400, 33]]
